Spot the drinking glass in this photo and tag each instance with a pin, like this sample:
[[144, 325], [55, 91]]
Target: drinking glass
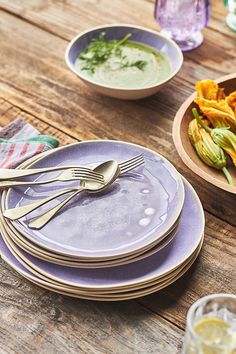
[[183, 20], [231, 17], [216, 307]]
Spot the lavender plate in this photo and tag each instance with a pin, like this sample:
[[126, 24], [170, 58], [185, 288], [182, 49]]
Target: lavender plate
[[134, 213], [186, 241], [123, 294]]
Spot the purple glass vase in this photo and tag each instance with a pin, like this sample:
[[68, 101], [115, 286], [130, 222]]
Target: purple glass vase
[[183, 20]]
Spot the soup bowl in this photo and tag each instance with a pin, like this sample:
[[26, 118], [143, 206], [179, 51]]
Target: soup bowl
[[142, 35]]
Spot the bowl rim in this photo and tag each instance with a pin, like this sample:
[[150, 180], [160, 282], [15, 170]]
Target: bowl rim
[[158, 34], [176, 135]]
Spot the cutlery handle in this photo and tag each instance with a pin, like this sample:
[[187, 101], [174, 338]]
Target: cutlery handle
[[11, 174], [9, 184], [17, 213], [40, 221]]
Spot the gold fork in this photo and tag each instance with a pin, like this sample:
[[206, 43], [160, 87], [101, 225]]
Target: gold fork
[[41, 220], [67, 175], [11, 174], [19, 212]]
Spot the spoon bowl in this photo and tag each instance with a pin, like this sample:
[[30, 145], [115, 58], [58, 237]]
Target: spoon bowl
[[110, 170]]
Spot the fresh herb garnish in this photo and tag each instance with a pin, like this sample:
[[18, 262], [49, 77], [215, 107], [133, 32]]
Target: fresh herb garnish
[[100, 50], [140, 64]]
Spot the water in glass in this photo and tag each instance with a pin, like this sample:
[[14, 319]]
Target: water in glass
[[211, 326]]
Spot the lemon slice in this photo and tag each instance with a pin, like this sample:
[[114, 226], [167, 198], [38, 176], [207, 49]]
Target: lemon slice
[[215, 333]]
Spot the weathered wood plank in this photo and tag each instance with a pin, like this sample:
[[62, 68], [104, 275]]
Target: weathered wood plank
[[35, 84], [49, 91], [56, 16], [213, 272], [8, 113], [34, 320], [173, 302]]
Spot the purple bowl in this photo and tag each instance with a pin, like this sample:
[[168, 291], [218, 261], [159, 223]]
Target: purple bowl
[[139, 34]]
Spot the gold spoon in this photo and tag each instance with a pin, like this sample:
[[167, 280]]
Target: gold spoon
[[110, 170]]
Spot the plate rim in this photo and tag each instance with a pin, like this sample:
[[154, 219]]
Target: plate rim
[[18, 255], [178, 178], [76, 264], [163, 273], [29, 277]]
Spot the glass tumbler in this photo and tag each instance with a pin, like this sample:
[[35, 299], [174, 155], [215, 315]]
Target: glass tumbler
[[231, 17], [211, 326], [183, 20]]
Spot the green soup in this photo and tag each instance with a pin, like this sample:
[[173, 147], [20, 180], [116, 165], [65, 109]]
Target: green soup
[[141, 66]]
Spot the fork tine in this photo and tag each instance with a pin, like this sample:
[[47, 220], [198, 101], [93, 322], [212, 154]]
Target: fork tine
[[88, 176], [130, 160], [85, 169], [137, 160], [131, 166], [91, 178], [121, 165], [89, 173], [125, 166]]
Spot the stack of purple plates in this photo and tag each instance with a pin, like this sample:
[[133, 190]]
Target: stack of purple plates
[[134, 238]]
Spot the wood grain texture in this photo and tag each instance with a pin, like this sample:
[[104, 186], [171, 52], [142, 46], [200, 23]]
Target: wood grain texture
[[36, 85], [8, 113], [34, 320], [37, 81], [55, 16], [213, 272]]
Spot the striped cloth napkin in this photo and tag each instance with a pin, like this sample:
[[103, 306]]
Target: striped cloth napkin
[[19, 141]]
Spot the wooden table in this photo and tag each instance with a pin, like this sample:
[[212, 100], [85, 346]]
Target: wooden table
[[36, 85]]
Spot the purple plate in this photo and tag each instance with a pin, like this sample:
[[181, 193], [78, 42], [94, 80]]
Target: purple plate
[[187, 239], [132, 214]]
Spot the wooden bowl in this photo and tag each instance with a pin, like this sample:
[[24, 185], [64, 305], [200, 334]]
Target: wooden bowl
[[185, 148]]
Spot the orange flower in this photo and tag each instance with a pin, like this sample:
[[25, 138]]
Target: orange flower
[[231, 100], [219, 113], [209, 90]]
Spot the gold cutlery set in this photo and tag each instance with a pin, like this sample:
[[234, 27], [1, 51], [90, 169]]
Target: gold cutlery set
[[117, 234], [91, 181]]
